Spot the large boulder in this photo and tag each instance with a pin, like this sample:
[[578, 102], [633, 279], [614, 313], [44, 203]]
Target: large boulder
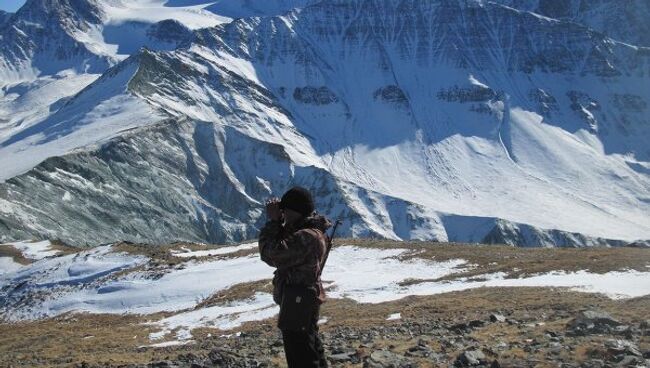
[[592, 322]]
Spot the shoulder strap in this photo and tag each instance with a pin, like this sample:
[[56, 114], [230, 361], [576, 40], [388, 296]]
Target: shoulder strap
[[322, 257], [328, 244]]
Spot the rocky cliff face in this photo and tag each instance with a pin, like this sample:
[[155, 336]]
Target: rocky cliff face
[[624, 20], [446, 120], [40, 38]]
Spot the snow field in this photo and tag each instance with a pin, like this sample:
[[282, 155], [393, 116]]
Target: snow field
[[87, 282]]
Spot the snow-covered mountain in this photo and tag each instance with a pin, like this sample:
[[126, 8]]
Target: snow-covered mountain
[[451, 120], [623, 20]]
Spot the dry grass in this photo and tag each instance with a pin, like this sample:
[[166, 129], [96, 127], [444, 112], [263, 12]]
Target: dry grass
[[237, 292], [68, 339], [518, 262], [166, 253], [7, 250], [114, 340], [63, 248], [159, 254]]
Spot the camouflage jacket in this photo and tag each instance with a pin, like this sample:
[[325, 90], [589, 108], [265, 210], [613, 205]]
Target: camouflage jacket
[[297, 253]]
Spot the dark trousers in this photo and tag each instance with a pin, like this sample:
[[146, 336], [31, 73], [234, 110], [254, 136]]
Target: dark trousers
[[304, 349]]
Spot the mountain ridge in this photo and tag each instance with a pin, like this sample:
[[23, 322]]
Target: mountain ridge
[[411, 128]]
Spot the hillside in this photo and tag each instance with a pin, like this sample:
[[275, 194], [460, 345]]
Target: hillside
[[400, 303]]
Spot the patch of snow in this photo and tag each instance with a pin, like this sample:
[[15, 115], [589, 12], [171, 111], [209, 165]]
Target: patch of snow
[[373, 275], [63, 279], [8, 266], [473, 81], [35, 249], [224, 317], [616, 285], [236, 334], [348, 269], [83, 282], [136, 292], [394, 316], [168, 343], [157, 335], [153, 11]]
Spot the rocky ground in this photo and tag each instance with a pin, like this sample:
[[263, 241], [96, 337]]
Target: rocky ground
[[514, 338], [482, 327], [500, 327]]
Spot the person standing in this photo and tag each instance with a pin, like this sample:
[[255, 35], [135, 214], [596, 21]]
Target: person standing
[[293, 240]]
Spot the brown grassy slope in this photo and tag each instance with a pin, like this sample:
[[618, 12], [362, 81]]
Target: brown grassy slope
[[519, 262], [114, 340]]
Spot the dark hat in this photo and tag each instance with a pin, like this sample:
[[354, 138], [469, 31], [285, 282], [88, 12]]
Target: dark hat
[[298, 199]]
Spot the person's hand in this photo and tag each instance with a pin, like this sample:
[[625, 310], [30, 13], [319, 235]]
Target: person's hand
[[273, 211]]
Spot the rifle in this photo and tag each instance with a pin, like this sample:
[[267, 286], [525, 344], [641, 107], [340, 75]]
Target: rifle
[[330, 238]]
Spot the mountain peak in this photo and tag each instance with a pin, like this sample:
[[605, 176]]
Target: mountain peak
[[474, 121], [77, 13]]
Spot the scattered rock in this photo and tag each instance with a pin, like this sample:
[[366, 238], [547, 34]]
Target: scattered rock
[[594, 363], [629, 361], [495, 317], [476, 323], [162, 364], [645, 325], [615, 346], [385, 358], [420, 351], [512, 321], [314, 95], [223, 358], [470, 358], [391, 94], [466, 326], [592, 322], [342, 357], [645, 328]]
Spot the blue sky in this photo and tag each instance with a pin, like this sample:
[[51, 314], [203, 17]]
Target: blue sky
[[11, 5]]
